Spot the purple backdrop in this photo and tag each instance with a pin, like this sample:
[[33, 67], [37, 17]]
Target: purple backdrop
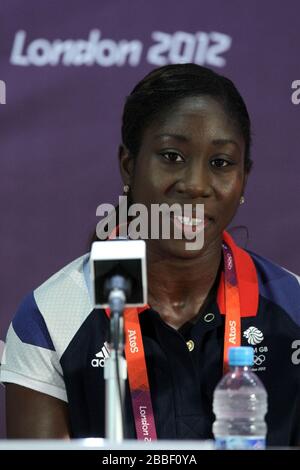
[[67, 68]]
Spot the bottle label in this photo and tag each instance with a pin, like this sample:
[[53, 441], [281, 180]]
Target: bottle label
[[240, 442]]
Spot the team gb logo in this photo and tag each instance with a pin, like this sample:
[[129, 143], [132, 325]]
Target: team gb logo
[[253, 335]]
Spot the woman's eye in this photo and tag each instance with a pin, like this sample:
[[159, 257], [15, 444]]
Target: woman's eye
[[173, 157], [220, 162]]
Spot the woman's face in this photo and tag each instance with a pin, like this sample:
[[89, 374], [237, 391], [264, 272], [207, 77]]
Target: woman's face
[[193, 154]]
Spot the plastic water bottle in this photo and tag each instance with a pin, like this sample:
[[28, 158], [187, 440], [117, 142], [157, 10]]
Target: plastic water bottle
[[240, 405]]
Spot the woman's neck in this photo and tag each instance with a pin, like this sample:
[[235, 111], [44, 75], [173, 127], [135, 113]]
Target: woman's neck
[[178, 288]]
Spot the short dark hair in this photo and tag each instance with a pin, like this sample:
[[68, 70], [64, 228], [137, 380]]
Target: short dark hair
[[165, 86]]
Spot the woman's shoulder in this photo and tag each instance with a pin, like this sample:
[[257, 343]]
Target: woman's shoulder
[[58, 307], [66, 283], [270, 270], [277, 284]]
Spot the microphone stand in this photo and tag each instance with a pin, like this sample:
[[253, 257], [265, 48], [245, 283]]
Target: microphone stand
[[117, 289]]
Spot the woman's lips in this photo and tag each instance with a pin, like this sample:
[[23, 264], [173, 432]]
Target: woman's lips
[[190, 226]]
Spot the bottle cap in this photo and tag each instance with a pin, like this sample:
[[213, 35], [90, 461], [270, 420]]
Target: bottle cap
[[241, 356]]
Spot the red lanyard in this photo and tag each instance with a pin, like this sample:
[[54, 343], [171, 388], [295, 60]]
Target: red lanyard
[[232, 336], [237, 297]]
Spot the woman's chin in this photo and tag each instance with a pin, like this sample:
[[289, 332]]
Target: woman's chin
[[183, 249]]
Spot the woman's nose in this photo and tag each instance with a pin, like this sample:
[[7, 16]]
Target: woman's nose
[[195, 182]]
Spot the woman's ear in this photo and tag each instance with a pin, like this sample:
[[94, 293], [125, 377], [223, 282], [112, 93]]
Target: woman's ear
[[126, 164], [246, 175]]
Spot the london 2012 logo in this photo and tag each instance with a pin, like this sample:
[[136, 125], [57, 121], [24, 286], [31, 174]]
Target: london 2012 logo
[[200, 47]]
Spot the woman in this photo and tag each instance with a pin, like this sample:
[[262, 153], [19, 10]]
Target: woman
[[186, 140]]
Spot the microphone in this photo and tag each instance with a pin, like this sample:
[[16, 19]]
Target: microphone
[[118, 272], [119, 266]]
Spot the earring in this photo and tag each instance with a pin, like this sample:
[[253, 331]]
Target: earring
[[242, 200], [126, 188]]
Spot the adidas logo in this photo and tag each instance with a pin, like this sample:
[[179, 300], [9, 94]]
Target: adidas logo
[[101, 356]]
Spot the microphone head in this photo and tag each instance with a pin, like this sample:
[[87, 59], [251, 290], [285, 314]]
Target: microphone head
[[126, 258]]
